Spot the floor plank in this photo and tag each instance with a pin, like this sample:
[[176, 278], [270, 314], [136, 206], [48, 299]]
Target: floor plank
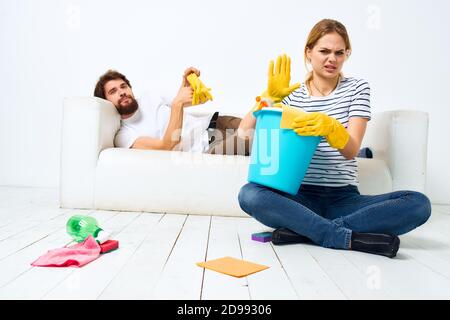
[[261, 284], [180, 270], [147, 254], [15, 264], [400, 277], [88, 283], [223, 241], [306, 274], [35, 282], [350, 280], [158, 254]]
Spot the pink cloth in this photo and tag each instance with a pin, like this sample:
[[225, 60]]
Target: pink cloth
[[75, 256]]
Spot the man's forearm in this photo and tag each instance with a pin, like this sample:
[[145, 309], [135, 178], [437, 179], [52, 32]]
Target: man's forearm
[[172, 136]]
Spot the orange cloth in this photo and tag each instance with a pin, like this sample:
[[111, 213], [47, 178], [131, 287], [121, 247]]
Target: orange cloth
[[232, 267]]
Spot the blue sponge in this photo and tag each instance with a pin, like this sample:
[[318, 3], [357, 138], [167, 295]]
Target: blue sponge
[[262, 236]]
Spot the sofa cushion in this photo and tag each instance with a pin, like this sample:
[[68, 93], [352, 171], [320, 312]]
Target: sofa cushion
[[374, 176], [173, 182], [190, 183]]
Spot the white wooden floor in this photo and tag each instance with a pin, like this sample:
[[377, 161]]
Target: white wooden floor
[[158, 252]]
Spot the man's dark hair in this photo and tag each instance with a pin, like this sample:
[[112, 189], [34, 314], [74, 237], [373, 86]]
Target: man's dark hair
[[108, 76]]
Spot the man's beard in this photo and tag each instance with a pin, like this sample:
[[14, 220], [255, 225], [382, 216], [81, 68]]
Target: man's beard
[[129, 108]]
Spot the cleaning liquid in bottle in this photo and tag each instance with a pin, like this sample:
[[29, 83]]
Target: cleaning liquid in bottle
[[79, 227]]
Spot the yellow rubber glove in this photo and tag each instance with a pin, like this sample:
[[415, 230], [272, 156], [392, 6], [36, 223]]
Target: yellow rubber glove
[[201, 92], [278, 80], [319, 124]]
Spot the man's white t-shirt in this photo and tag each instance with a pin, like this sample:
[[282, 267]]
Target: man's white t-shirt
[[151, 120]]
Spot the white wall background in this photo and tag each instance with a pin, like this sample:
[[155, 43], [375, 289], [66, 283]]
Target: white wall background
[[50, 49]]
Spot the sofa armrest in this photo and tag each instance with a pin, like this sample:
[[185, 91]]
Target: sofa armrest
[[89, 125], [400, 138]]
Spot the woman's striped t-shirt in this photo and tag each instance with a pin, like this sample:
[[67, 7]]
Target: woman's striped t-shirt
[[351, 98]]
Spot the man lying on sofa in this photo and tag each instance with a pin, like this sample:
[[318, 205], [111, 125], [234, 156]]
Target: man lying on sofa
[[158, 123]]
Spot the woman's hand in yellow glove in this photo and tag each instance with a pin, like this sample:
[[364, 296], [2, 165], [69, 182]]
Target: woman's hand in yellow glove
[[278, 80], [319, 124]]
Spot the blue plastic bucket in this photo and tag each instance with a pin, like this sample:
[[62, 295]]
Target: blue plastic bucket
[[280, 157]]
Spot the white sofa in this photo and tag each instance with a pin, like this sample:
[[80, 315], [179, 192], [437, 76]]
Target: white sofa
[[95, 175]]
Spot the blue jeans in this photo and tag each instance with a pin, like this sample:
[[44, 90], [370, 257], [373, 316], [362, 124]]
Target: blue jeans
[[328, 215]]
